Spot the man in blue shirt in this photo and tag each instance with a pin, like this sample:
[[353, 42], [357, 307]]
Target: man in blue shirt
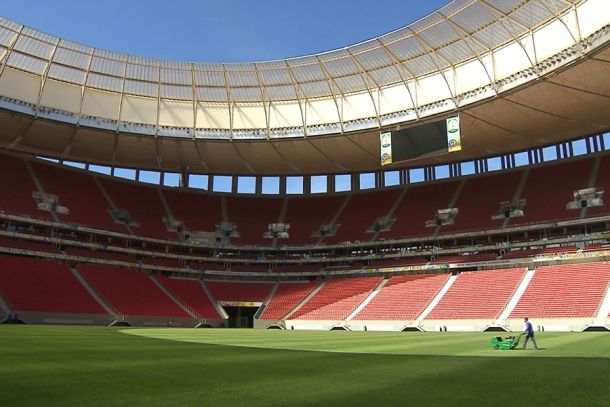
[[528, 330]]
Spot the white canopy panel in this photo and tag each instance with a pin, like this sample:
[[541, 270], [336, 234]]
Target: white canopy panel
[[461, 54]]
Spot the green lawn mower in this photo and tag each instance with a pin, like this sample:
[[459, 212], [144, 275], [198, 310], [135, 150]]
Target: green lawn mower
[[510, 342]]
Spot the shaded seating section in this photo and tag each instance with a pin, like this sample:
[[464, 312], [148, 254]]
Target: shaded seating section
[[465, 258], [252, 217], [337, 299], [397, 262], [478, 295], [305, 216], [43, 286], [199, 212], [191, 293], [418, 206], [603, 182], [27, 245], [480, 199], [143, 205], [16, 188], [131, 292], [563, 180], [287, 296], [78, 192], [299, 268], [523, 253], [239, 291], [566, 291], [403, 298], [99, 254], [360, 214]]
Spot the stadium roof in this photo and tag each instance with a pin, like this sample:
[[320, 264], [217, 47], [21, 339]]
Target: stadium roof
[[521, 72]]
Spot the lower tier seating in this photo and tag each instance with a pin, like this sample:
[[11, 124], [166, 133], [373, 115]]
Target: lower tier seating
[[566, 291], [239, 292], [287, 296], [337, 299], [131, 292], [191, 293], [478, 295], [34, 285], [403, 298]]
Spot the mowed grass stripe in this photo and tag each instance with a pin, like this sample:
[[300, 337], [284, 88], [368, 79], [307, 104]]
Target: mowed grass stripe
[[99, 366], [591, 344]]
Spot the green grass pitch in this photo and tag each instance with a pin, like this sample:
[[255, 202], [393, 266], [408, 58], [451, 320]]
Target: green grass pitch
[[100, 366]]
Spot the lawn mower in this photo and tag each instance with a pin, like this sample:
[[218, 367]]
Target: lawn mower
[[510, 342]]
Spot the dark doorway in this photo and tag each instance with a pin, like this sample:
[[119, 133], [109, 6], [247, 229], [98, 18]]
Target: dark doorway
[[241, 317]]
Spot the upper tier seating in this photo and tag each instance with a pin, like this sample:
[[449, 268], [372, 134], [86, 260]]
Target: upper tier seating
[[16, 188], [477, 201], [480, 199], [30, 284], [565, 291], [418, 206], [252, 217], [360, 214], [287, 296], [602, 182], [337, 299], [191, 293], [563, 180], [403, 298], [143, 205], [478, 295], [78, 192], [131, 292], [239, 291], [305, 216], [198, 211]]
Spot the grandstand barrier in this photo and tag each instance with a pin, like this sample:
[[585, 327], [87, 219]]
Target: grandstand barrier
[[60, 318]]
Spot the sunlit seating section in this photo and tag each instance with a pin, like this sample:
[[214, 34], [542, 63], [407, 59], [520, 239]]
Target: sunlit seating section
[[564, 291], [478, 295], [287, 296], [403, 298], [337, 299]]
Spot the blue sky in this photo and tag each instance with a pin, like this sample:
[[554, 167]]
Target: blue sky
[[218, 31]]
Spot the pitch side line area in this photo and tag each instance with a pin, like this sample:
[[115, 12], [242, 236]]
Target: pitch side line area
[[588, 345]]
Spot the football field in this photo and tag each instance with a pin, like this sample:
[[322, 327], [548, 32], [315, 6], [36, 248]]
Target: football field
[[101, 366]]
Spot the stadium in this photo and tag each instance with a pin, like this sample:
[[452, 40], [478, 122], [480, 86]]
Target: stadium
[[350, 227]]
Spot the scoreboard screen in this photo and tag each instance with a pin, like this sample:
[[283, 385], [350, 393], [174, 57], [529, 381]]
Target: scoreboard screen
[[432, 138]]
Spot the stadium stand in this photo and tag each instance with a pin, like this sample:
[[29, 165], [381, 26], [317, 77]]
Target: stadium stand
[[191, 293], [35, 285], [200, 212], [131, 292], [239, 291], [77, 191], [564, 291], [563, 180], [307, 214], [359, 215], [16, 188], [286, 297], [252, 217], [403, 298], [418, 206], [337, 299], [478, 295], [143, 205]]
